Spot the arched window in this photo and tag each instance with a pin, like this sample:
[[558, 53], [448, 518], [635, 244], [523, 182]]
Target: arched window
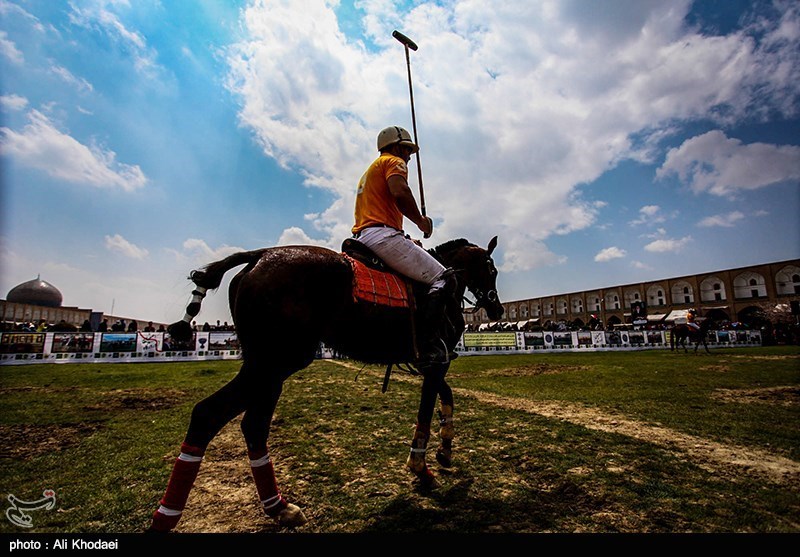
[[749, 285], [712, 289], [562, 306], [632, 296], [655, 296], [577, 305], [612, 300], [787, 280], [682, 293]]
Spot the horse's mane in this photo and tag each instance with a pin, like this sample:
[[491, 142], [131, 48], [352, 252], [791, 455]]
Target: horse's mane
[[447, 247]]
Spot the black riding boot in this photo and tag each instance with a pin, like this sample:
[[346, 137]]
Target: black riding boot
[[431, 321]]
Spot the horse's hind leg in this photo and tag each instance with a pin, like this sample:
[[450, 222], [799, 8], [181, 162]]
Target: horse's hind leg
[[255, 427], [208, 418]]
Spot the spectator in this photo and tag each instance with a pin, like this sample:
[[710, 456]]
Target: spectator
[[133, 326], [149, 328], [86, 325], [103, 327]]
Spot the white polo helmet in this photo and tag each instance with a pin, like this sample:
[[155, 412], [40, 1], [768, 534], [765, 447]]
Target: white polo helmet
[[395, 134]]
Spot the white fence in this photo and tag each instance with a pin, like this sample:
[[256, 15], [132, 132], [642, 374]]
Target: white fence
[[30, 348]]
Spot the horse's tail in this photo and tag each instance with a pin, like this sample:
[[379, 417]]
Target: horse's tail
[[205, 279]]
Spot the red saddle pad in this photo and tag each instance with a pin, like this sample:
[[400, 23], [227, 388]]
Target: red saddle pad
[[377, 287]]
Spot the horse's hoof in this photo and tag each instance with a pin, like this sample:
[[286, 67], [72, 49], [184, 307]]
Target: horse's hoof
[[426, 479], [291, 517], [444, 457]]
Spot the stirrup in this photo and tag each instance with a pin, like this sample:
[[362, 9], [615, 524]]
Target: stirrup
[[435, 357]]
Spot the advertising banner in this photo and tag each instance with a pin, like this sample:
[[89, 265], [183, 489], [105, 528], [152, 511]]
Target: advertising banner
[[584, 338], [497, 340], [22, 343], [118, 342], [534, 340], [72, 342]]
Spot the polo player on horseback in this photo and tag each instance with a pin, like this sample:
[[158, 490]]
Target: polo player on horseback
[[691, 316], [383, 198]]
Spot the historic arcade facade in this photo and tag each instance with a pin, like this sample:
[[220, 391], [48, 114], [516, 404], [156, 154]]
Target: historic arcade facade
[[735, 295]]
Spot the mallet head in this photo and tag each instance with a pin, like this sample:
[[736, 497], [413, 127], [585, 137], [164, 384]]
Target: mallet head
[[405, 40]]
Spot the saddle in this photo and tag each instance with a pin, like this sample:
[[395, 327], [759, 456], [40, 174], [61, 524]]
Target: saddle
[[373, 282]]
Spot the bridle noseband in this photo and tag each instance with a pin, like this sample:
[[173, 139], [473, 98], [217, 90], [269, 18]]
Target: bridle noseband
[[483, 298]]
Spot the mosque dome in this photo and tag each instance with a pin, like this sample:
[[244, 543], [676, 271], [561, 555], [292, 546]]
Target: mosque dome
[[36, 292]]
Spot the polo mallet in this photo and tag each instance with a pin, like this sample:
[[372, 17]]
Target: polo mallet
[[408, 43]]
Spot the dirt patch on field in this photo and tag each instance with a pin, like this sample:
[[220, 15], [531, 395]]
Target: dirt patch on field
[[782, 396], [26, 441], [768, 357], [537, 369], [138, 399], [715, 368]]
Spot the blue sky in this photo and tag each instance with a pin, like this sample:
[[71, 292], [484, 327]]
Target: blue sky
[[603, 142]]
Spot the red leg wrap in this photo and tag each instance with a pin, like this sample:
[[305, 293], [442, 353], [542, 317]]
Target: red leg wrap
[[266, 484], [184, 473]]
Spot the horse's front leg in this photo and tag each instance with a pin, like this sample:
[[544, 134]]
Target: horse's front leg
[[431, 383], [444, 454]]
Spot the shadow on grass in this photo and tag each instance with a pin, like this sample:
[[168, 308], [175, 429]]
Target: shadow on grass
[[466, 508]]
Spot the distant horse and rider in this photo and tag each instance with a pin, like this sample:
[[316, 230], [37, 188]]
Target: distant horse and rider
[[285, 302], [694, 330]]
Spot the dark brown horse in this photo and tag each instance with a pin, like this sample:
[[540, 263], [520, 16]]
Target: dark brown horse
[[680, 333], [284, 303]]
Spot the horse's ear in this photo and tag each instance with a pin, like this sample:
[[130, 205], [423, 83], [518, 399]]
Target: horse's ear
[[492, 245]]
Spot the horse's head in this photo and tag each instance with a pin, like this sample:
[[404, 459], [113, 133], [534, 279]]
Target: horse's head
[[476, 267]]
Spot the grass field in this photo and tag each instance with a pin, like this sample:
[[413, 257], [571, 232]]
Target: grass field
[[645, 441]]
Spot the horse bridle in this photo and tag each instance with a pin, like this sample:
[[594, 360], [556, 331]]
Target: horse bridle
[[481, 298]]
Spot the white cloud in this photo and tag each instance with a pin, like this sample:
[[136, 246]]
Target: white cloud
[[719, 165], [101, 16], [727, 220], [649, 214], [199, 251], [668, 244], [296, 236], [121, 245], [13, 102], [608, 254], [78, 82], [554, 93], [10, 50], [40, 145], [640, 265]]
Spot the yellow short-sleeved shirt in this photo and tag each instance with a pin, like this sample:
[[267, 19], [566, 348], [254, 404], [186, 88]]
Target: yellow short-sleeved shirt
[[375, 204]]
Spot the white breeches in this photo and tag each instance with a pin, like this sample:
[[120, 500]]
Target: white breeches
[[403, 255]]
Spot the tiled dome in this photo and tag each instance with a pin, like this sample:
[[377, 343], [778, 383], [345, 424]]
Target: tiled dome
[[36, 292]]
